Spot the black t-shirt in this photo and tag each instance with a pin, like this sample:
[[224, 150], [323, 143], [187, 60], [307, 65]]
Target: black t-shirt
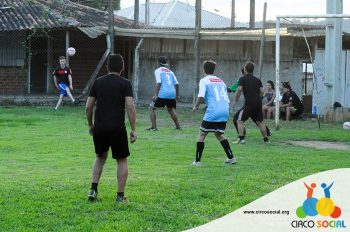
[[293, 98], [251, 89], [62, 74], [110, 92]]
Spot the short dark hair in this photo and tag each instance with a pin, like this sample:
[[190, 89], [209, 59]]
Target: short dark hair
[[162, 61], [249, 67], [209, 66], [62, 58], [115, 63]]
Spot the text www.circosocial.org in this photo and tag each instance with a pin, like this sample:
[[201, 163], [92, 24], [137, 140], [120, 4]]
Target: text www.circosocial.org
[[272, 212]]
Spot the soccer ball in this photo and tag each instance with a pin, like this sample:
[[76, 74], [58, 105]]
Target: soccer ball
[[346, 125], [71, 51]]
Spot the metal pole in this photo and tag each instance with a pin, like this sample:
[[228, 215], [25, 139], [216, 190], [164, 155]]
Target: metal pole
[[233, 13], [197, 47], [111, 25], [277, 106], [252, 14], [29, 64], [147, 12], [262, 43], [137, 71], [136, 13], [67, 46]]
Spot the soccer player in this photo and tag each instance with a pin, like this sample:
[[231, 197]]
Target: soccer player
[[113, 94], [166, 94], [213, 92], [63, 81], [290, 103], [253, 91]]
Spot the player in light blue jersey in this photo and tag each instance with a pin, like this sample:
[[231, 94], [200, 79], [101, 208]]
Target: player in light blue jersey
[[167, 93], [213, 92]]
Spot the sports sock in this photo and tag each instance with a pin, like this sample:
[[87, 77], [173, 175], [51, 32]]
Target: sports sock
[[120, 194], [199, 151], [94, 186], [225, 144]]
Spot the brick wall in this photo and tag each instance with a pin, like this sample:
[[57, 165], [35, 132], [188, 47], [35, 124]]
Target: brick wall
[[13, 80]]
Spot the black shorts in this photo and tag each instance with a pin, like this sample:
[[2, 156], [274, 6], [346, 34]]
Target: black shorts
[[251, 111], [218, 127], [162, 102], [115, 138]]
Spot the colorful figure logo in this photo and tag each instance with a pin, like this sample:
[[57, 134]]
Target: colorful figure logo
[[313, 206]]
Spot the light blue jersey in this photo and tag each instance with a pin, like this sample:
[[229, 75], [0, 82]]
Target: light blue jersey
[[214, 91], [167, 80]]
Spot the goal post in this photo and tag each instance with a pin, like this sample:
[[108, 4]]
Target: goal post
[[278, 47]]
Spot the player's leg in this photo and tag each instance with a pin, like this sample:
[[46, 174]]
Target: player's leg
[[59, 101], [258, 118], [122, 175], [120, 152], [270, 111], [97, 169], [200, 147], [242, 117], [70, 94], [173, 115], [226, 146], [156, 103]]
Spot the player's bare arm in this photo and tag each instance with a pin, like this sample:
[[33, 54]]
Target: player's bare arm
[[55, 80], [131, 111], [70, 82], [199, 101], [89, 108], [157, 91], [237, 96], [177, 92]]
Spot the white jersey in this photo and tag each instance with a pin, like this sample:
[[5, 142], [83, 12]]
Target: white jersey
[[167, 80], [214, 91]]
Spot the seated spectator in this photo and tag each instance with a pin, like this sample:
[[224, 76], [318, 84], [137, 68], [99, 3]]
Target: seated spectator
[[270, 95], [290, 103]]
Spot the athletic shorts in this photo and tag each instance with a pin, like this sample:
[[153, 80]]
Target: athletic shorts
[[162, 102], [251, 111], [115, 138], [63, 87], [213, 127]]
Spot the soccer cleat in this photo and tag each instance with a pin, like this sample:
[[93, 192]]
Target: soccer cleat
[[269, 134], [151, 129], [120, 199], [92, 196], [239, 141], [178, 128], [230, 161], [197, 164]]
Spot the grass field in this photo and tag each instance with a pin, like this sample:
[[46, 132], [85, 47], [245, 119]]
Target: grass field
[[46, 158]]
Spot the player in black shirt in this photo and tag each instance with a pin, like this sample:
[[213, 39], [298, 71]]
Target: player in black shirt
[[253, 91], [112, 94], [63, 81], [290, 103]]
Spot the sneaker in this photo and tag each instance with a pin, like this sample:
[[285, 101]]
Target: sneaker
[[197, 164], [178, 128], [92, 196], [151, 129], [76, 101], [239, 141], [120, 199], [230, 161]]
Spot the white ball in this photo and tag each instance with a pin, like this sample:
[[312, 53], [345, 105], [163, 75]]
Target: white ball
[[71, 51], [346, 125]]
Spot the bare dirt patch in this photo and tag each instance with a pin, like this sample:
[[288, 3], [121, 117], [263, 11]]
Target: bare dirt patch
[[320, 144]]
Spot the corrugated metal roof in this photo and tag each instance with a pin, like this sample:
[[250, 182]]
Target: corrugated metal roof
[[28, 14], [177, 14]]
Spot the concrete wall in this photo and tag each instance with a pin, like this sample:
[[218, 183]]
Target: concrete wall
[[13, 80], [229, 55]]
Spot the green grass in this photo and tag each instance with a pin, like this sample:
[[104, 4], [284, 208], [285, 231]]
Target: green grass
[[46, 158]]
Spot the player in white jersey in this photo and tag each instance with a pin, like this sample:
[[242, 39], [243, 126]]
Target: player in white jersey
[[167, 93], [213, 92]]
